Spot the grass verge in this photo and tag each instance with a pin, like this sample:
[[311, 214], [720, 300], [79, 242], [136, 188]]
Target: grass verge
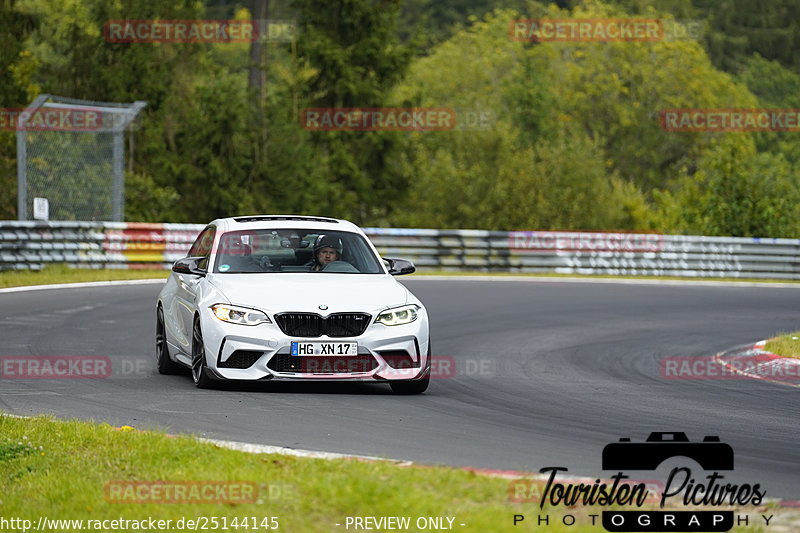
[[786, 345], [62, 470], [64, 274], [59, 469]]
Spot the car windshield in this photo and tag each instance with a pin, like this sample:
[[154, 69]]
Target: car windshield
[[294, 250]]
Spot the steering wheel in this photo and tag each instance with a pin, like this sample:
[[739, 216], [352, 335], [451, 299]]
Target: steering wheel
[[339, 266], [265, 264]]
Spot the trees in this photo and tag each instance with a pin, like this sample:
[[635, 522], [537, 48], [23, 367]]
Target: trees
[[354, 51], [15, 26], [577, 141], [66, 54], [740, 28], [733, 193], [570, 136]]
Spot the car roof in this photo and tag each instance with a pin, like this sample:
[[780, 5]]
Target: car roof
[[284, 221]]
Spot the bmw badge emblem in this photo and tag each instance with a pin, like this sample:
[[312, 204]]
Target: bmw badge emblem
[[323, 307]]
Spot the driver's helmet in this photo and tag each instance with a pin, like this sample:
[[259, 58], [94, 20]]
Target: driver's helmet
[[328, 241]]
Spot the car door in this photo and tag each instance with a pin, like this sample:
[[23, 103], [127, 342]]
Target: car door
[[187, 288]]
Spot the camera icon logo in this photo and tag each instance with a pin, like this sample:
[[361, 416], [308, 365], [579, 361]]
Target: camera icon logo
[[710, 454]]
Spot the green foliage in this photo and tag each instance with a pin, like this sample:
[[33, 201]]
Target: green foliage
[[615, 91], [572, 138], [15, 26], [486, 180], [740, 28], [75, 461], [527, 170], [734, 193], [145, 200], [772, 83], [74, 59], [776, 87], [436, 21], [11, 450], [576, 138], [8, 176], [356, 57], [353, 47], [758, 198]]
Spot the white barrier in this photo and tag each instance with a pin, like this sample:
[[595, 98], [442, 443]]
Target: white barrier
[[31, 245]]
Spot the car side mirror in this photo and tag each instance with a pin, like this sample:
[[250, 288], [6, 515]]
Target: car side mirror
[[189, 265], [399, 267]]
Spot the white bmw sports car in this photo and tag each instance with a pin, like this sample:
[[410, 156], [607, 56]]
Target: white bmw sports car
[[291, 298]]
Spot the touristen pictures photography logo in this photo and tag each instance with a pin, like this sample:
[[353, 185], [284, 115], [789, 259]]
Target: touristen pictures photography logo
[[686, 500]]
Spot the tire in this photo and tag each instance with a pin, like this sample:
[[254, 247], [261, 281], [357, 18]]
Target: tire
[[199, 370], [164, 364], [414, 386]]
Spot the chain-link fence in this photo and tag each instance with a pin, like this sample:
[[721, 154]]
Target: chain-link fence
[[71, 152]]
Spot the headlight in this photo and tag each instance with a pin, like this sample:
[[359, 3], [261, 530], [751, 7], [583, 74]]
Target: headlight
[[398, 315], [239, 315]]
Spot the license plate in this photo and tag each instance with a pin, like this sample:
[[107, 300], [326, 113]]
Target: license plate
[[324, 348]]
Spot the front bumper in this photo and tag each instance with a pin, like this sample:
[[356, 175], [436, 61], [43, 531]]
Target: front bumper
[[385, 353]]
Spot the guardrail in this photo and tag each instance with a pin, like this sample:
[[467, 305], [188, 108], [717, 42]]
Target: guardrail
[[32, 245]]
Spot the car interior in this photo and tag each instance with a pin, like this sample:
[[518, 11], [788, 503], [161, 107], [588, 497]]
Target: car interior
[[257, 251]]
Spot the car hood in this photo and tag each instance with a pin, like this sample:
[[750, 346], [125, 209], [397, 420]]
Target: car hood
[[306, 292]]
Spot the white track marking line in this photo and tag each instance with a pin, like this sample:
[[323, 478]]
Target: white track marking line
[[622, 281], [87, 284]]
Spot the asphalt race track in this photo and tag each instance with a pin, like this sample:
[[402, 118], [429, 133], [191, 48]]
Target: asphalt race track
[[547, 373]]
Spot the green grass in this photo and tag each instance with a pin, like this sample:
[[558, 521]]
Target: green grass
[[59, 469], [786, 345], [63, 274]]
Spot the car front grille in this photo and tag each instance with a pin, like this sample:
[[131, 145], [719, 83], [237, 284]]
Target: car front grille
[[314, 325], [347, 364]]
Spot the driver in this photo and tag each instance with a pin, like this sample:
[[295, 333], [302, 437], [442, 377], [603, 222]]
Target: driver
[[327, 249]]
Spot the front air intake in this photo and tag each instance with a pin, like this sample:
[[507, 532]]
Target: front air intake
[[241, 359]]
